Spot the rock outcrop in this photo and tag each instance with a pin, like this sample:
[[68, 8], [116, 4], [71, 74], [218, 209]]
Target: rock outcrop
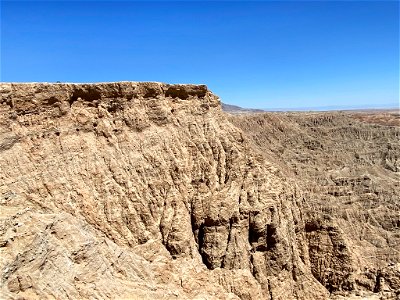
[[347, 165], [145, 190]]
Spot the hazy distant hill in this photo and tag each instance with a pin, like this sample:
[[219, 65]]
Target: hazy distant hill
[[233, 109]]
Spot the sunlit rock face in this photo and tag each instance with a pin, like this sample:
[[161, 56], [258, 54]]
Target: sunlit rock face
[[347, 165], [143, 190]]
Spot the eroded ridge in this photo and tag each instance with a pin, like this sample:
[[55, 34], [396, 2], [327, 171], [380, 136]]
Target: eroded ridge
[[141, 190], [348, 167]]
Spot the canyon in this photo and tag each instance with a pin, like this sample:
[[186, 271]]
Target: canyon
[[144, 190]]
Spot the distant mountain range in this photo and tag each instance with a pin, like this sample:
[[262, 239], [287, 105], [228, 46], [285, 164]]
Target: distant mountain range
[[239, 110]]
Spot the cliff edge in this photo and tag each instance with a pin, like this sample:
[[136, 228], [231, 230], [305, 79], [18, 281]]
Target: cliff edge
[[141, 190]]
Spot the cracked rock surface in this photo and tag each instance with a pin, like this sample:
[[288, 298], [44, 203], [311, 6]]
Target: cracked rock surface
[[348, 166], [143, 190]]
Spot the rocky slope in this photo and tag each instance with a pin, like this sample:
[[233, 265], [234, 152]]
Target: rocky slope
[[144, 190], [348, 165]]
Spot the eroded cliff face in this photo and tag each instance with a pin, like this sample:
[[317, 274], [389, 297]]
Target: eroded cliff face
[[347, 165], [124, 190]]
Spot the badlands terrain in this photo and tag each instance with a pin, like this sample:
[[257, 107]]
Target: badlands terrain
[[151, 191]]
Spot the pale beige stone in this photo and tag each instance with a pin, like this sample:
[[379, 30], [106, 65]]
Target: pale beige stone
[[347, 165], [147, 191]]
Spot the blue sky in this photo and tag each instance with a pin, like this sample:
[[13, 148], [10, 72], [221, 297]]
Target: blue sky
[[285, 54]]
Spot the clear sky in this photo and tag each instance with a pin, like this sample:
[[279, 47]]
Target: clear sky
[[285, 54]]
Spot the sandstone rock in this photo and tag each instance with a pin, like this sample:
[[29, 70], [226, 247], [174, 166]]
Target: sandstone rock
[[142, 190], [347, 167]]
